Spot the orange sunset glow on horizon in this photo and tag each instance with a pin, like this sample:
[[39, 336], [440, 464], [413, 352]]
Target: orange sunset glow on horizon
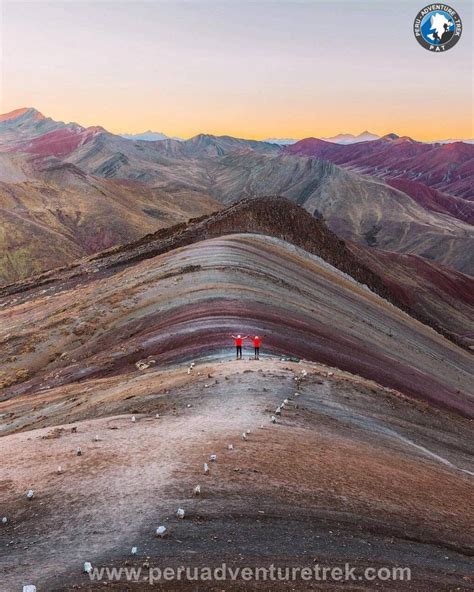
[[250, 69]]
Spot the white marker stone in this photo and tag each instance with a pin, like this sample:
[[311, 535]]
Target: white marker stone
[[87, 567], [160, 531]]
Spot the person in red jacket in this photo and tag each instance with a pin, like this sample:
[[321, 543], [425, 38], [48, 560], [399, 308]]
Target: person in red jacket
[[256, 344], [238, 340]]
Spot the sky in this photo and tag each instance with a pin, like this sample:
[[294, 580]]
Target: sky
[[254, 69]]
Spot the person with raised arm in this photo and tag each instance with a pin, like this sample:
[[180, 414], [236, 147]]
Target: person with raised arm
[[238, 341]]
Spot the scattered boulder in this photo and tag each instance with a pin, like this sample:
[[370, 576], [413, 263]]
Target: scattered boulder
[[213, 457], [206, 468], [54, 434], [197, 490], [87, 567], [30, 494], [180, 513], [141, 365], [161, 531], [134, 550]]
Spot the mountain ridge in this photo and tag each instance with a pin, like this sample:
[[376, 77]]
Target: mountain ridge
[[445, 167], [282, 219]]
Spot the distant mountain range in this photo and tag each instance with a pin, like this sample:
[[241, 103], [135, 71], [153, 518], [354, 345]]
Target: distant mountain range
[[67, 191], [281, 141], [351, 139], [444, 167], [149, 136]]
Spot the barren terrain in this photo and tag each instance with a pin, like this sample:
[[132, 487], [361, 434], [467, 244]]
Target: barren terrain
[[350, 472], [370, 461]]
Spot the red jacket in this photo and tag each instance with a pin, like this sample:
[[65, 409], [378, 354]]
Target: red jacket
[[256, 341], [238, 341]]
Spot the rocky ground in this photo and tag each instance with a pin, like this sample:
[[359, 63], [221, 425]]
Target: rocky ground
[[351, 472], [369, 463]]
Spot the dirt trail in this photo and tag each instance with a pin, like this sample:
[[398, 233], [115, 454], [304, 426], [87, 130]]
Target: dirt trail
[[105, 490], [322, 469]]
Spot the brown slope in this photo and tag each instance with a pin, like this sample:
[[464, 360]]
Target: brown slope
[[272, 216], [66, 214]]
